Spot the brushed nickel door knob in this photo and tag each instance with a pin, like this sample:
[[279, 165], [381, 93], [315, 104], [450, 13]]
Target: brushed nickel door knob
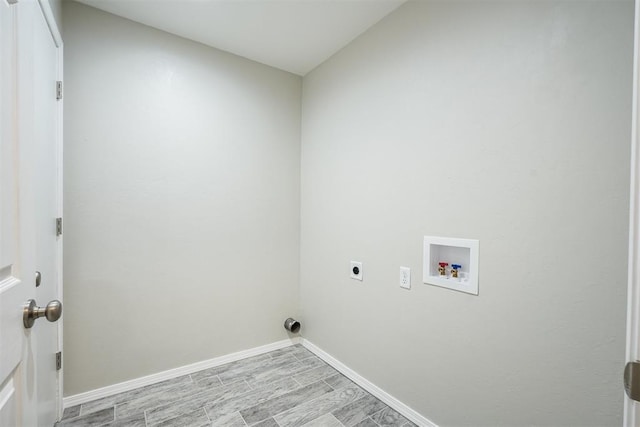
[[31, 312]]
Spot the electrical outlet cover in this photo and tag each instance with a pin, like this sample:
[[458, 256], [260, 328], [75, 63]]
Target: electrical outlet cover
[[405, 277], [356, 270]]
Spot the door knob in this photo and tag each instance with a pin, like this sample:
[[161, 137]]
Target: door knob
[[31, 312]]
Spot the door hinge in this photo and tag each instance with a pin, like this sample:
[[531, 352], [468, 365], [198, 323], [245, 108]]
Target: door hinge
[[58, 90], [58, 226], [58, 361]]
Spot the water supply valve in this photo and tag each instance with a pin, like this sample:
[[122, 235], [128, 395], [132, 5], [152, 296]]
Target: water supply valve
[[454, 270], [443, 268]]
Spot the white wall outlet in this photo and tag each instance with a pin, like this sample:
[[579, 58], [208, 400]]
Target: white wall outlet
[[356, 270], [405, 277]]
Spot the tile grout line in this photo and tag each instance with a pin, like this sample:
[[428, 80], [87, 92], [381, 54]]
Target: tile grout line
[[370, 419], [323, 380], [377, 412], [207, 415], [243, 420], [341, 423]]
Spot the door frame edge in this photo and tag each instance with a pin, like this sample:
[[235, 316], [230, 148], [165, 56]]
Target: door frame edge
[[633, 283], [49, 17]]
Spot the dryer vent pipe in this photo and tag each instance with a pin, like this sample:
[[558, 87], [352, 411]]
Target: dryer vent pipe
[[292, 325]]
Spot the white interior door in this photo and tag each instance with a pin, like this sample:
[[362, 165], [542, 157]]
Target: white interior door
[[29, 127], [17, 245]]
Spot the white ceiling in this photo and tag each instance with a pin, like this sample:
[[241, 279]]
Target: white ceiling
[[293, 35]]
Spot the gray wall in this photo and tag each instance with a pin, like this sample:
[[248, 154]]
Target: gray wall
[[507, 122], [182, 182]]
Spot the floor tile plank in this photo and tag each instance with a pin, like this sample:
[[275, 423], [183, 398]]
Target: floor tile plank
[[160, 413], [285, 402], [327, 420], [71, 412], [192, 419], [97, 418], [209, 381], [238, 365], [143, 402], [263, 378], [223, 408], [133, 421], [322, 405], [357, 411], [389, 417], [339, 381], [171, 385], [301, 355], [293, 350], [315, 374], [267, 423], [367, 422], [230, 420]]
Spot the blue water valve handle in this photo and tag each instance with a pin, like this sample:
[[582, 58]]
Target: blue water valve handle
[[456, 266]]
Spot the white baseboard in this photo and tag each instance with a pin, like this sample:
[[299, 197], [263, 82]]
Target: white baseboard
[[391, 401], [173, 373]]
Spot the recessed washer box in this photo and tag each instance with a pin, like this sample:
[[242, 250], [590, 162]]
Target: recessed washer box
[[460, 255]]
